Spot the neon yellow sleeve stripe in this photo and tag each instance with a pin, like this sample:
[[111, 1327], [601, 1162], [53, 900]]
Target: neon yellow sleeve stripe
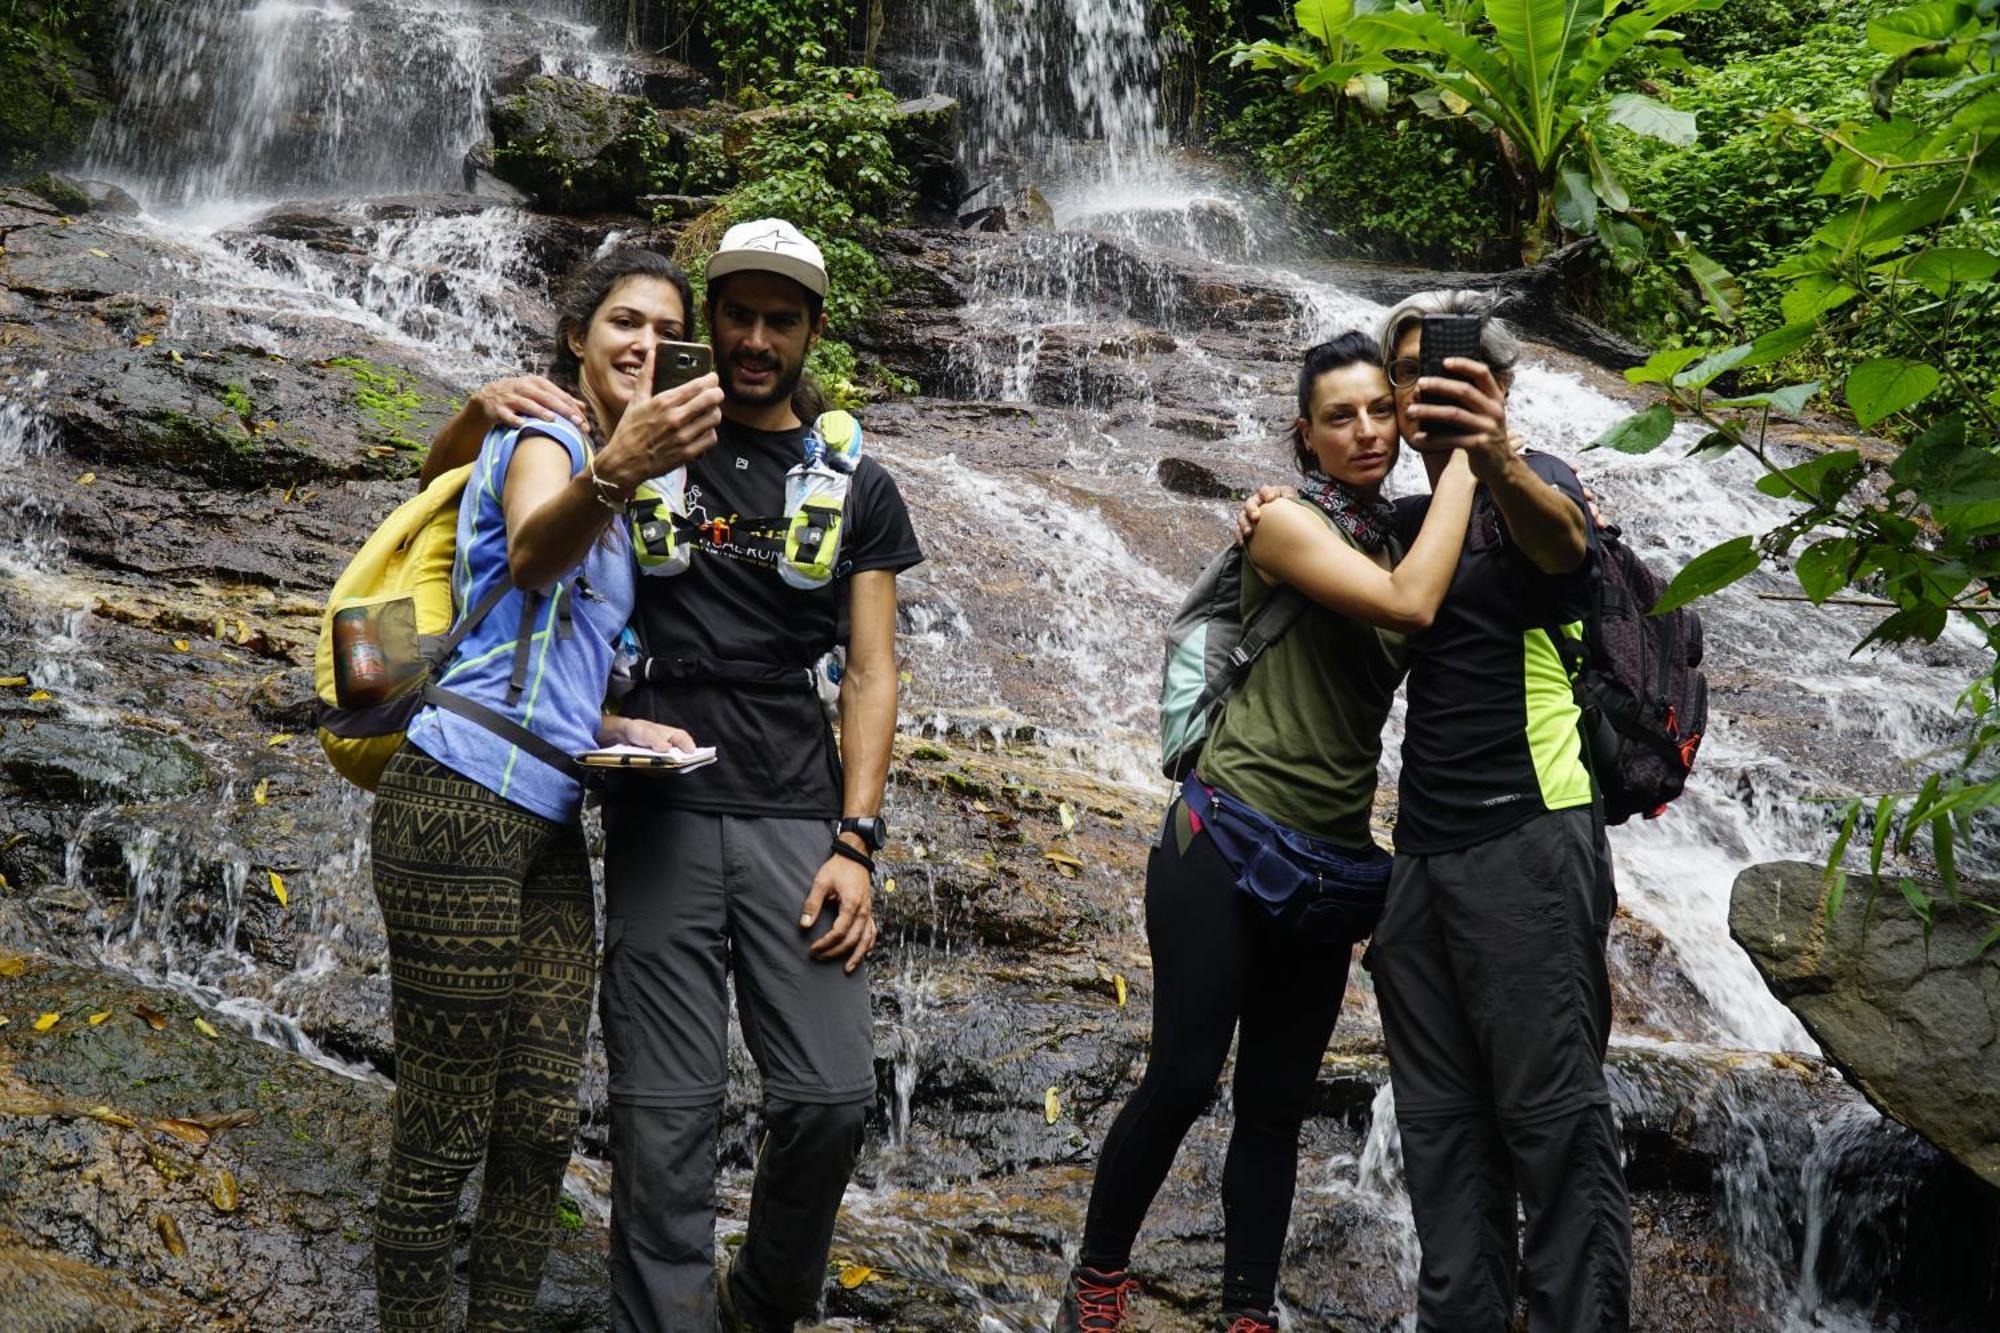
[[1555, 746]]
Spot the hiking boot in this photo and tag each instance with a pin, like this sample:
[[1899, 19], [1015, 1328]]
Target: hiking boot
[[1093, 1302], [735, 1313], [1249, 1321]]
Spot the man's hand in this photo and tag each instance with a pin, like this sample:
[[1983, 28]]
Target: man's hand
[[1474, 410], [1253, 509], [516, 401], [848, 884]]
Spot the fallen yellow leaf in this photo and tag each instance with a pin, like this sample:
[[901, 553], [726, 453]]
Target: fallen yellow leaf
[[101, 254], [1067, 816], [1118, 984], [110, 1117], [145, 340], [203, 1026], [261, 793], [278, 739], [99, 1017], [278, 888], [170, 1235], [47, 1021], [180, 645], [13, 681], [853, 1275], [84, 479], [1051, 1106], [39, 695], [904, 677], [177, 358], [12, 965], [222, 1192], [187, 1131], [888, 884], [4, 1020], [154, 1018]]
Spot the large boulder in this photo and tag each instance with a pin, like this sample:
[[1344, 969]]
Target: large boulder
[[576, 147], [1911, 1016], [924, 132], [163, 1170]]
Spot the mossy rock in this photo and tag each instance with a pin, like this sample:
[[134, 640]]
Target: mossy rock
[[61, 191], [577, 148], [73, 761]]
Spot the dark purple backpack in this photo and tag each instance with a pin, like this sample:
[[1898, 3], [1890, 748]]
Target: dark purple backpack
[[1641, 688]]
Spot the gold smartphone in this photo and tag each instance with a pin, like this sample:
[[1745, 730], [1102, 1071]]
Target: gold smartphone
[[674, 364]]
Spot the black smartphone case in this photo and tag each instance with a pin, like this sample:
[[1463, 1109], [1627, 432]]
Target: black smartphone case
[[1446, 336]]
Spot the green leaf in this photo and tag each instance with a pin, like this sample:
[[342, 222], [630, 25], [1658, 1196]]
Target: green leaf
[[1640, 433], [1851, 814], [1709, 572], [1653, 119], [1919, 901], [1918, 622], [1713, 445], [1822, 568], [1836, 893], [1887, 385], [1938, 271], [1718, 285], [1778, 343], [1904, 30], [1608, 187], [1885, 809], [1539, 38], [1811, 477], [1814, 295], [1576, 201], [1791, 400], [1323, 20], [1945, 851], [1992, 938], [1371, 90], [1661, 366]]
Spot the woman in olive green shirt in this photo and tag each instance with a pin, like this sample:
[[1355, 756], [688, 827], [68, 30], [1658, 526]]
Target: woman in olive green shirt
[[1265, 875]]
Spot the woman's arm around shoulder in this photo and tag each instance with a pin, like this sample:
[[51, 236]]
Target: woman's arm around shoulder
[[1293, 546]]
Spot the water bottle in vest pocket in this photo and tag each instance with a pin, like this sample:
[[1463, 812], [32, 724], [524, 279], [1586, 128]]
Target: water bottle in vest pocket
[[815, 496], [658, 512]]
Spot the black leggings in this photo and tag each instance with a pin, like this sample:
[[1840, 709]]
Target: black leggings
[[1220, 961]]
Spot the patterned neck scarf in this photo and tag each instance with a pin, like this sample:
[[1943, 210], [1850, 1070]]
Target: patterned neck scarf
[[1369, 522]]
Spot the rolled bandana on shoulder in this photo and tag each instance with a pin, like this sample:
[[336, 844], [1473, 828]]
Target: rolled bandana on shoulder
[[1369, 522]]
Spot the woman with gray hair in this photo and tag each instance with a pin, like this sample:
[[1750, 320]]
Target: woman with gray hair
[[1488, 962]]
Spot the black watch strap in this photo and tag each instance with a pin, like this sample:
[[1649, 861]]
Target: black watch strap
[[871, 829], [859, 858]]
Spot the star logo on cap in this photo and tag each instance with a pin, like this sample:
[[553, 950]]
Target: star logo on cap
[[773, 240]]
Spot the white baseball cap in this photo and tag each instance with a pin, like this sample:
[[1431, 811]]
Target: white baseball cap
[[769, 245]]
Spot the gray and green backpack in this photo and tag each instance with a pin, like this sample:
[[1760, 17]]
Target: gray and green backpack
[[1210, 650]]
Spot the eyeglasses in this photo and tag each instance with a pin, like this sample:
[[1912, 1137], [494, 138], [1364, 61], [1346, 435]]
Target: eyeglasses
[[1404, 372]]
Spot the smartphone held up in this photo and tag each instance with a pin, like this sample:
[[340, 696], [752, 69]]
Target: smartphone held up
[[1446, 336], [674, 364]]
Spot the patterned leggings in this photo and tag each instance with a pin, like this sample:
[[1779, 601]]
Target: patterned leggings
[[492, 955]]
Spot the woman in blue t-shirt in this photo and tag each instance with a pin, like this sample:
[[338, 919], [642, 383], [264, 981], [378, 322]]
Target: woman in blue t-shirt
[[477, 844]]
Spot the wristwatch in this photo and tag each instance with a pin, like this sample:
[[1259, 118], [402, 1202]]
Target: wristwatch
[[873, 830]]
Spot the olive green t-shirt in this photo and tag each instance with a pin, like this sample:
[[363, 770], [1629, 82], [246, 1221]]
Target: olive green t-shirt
[[1300, 739]]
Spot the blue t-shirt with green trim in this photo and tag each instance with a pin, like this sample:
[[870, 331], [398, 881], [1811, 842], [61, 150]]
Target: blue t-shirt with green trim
[[563, 697]]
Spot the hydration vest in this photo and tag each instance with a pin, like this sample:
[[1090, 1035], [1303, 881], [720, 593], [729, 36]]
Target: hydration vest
[[806, 536]]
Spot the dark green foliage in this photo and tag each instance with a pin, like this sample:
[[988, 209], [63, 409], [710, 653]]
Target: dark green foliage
[[578, 148], [759, 42], [1397, 186], [821, 157], [55, 58]]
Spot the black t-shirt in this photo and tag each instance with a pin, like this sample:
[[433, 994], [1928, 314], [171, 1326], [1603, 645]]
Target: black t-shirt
[[1491, 740], [774, 750]]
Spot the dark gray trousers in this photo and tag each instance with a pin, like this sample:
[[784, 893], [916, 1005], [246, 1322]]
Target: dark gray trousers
[[689, 898], [1496, 1008]]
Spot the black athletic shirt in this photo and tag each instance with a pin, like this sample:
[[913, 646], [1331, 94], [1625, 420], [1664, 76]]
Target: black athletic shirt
[[1491, 737], [774, 750]]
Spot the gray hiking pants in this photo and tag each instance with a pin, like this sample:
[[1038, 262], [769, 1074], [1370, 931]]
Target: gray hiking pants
[[689, 897], [1496, 1008]]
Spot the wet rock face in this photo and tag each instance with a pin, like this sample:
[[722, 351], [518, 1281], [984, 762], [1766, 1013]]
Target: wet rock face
[[158, 1177], [1913, 1017], [576, 147]]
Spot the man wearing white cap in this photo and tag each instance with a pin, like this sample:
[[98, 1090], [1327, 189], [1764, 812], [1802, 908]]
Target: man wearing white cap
[[760, 864]]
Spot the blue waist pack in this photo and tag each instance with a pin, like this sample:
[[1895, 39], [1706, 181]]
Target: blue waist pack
[[1297, 878]]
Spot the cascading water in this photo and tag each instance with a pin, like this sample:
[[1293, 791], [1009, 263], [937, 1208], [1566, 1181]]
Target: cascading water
[[1156, 312]]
